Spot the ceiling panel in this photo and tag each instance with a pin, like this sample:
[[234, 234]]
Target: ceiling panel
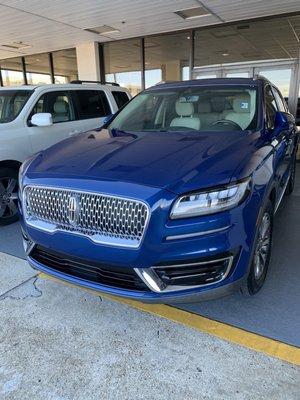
[[48, 26]]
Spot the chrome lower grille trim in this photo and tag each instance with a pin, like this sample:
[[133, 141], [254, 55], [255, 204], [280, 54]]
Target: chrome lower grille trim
[[103, 219], [153, 280]]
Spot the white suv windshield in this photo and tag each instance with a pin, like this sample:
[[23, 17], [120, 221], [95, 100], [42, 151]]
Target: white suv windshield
[[11, 103], [193, 109]]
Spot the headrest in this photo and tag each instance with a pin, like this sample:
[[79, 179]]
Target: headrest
[[218, 104], [204, 107], [61, 107], [184, 109], [241, 104]]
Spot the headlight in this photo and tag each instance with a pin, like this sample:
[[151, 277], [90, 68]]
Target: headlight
[[210, 201]]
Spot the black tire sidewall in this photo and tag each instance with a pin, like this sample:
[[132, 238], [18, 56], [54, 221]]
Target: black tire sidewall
[[254, 285], [13, 173]]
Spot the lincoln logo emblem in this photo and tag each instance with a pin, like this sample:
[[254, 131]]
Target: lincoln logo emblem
[[73, 210]]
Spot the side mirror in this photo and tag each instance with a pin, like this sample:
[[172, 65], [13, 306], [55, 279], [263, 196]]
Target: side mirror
[[283, 120], [42, 119]]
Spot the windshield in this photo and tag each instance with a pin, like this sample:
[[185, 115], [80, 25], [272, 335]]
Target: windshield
[[11, 103], [193, 109]]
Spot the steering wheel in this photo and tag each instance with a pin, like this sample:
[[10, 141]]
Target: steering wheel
[[226, 122]]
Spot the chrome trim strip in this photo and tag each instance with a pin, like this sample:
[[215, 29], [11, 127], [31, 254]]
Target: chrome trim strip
[[52, 228], [282, 194], [154, 283], [196, 234]]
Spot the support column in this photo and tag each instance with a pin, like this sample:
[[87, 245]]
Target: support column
[[88, 61]]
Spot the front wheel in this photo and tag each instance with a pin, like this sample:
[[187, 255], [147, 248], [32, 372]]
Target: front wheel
[[262, 253], [8, 196]]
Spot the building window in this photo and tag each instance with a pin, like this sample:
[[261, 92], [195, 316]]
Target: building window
[[12, 72], [65, 66], [167, 58], [123, 64], [38, 69]]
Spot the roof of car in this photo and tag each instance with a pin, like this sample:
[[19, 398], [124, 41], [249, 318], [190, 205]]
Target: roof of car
[[62, 86], [212, 81]]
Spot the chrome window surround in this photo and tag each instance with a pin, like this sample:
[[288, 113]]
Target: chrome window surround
[[155, 283], [117, 232]]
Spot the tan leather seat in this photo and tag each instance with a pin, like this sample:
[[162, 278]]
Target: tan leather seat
[[206, 115], [61, 111], [186, 118], [241, 113]]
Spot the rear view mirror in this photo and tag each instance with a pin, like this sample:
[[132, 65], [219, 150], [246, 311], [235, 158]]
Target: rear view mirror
[[283, 120], [42, 119]]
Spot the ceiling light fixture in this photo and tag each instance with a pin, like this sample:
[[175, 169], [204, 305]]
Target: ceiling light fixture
[[195, 12], [102, 30]]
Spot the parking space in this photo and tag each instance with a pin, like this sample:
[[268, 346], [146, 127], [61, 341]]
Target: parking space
[[60, 342]]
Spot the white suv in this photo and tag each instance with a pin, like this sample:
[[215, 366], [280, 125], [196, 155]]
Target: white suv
[[33, 118]]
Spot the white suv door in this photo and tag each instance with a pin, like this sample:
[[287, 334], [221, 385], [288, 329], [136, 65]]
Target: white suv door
[[60, 105], [73, 111], [92, 107]]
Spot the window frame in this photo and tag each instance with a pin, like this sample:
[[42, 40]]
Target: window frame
[[68, 92], [270, 87]]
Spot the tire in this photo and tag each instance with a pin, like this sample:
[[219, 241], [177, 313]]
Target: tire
[[261, 253], [8, 196], [291, 185]]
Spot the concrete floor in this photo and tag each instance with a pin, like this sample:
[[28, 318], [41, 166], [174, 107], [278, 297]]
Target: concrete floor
[[62, 343]]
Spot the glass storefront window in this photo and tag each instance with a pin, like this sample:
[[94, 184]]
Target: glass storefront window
[[279, 77], [123, 64], [166, 58], [65, 65], [12, 72], [38, 69]]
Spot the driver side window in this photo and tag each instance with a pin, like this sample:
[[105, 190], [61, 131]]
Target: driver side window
[[59, 104], [271, 107]]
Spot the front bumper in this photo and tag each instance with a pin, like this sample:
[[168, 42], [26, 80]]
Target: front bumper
[[166, 242]]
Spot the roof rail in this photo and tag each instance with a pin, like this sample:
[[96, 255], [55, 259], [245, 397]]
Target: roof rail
[[80, 82]]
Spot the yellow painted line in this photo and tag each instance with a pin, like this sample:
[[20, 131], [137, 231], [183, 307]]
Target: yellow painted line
[[221, 330]]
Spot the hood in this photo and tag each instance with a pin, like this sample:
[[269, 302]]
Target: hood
[[178, 162]]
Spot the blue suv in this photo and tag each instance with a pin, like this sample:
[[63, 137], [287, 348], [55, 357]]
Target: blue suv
[[172, 200]]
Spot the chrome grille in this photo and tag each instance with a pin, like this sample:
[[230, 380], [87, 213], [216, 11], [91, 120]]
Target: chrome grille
[[105, 219]]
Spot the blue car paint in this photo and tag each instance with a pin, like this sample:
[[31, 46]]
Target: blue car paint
[[157, 168]]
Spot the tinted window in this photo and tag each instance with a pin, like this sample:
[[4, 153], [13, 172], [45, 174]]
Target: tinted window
[[279, 100], [271, 106], [11, 103], [59, 104], [92, 104], [121, 98]]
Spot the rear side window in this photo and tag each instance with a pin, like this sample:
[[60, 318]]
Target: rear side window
[[92, 104], [121, 98], [58, 104], [12, 103]]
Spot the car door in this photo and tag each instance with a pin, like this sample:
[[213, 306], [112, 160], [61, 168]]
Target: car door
[[291, 135], [92, 107], [60, 105], [280, 139]]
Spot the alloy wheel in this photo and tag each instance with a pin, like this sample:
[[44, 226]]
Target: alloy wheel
[[262, 247], [8, 197]]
